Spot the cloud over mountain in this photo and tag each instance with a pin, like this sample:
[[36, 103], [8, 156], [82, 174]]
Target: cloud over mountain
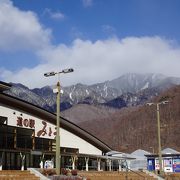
[[102, 60], [92, 61]]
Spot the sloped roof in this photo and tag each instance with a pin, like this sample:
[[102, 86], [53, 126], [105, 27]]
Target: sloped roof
[[169, 151], [140, 153], [4, 86], [117, 154], [110, 153], [51, 117]]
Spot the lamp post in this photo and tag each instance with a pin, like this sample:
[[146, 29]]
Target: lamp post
[[58, 153], [159, 133]]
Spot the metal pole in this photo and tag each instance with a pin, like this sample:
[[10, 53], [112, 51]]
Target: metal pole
[[58, 150], [159, 141], [58, 131]]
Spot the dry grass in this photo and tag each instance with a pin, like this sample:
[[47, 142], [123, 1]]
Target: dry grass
[[105, 175], [17, 175], [174, 176]]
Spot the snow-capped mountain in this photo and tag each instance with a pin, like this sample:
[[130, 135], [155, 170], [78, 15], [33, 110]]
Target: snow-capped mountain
[[127, 90], [128, 83]]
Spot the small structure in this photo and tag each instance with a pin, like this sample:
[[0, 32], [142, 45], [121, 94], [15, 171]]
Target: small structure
[[118, 160], [140, 161], [170, 161]]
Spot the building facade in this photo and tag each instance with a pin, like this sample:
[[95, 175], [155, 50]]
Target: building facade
[[27, 137]]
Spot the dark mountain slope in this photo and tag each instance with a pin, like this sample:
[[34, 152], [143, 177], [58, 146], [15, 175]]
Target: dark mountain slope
[[131, 129], [84, 112]]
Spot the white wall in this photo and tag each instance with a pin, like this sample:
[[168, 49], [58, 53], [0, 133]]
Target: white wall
[[70, 140], [67, 139]]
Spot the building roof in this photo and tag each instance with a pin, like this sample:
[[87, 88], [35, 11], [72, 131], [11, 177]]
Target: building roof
[[51, 117], [163, 155], [4, 86], [140, 153], [169, 151], [119, 155]]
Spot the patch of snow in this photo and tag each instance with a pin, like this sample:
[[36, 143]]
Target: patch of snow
[[87, 92], [145, 86], [135, 98], [70, 96], [105, 89]]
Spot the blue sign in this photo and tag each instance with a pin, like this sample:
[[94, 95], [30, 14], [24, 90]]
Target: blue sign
[[151, 164]]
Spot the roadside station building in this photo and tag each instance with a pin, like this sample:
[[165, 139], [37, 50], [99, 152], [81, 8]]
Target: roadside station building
[[27, 136], [170, 161]]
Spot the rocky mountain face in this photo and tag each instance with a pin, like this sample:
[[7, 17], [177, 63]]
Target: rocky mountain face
[[125, 91], [131, 87]]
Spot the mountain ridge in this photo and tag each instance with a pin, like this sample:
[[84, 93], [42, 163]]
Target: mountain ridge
[[128, 90]]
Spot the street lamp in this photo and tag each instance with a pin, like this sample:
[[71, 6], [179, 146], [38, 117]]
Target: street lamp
[[159, 133], [58, 153]]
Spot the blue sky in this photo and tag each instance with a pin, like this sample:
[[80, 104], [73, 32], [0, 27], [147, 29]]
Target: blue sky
[[102, 18], [100, 39]]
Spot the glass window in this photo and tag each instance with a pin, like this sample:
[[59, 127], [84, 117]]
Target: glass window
[[44, 144], [24, 138], [6, 137]]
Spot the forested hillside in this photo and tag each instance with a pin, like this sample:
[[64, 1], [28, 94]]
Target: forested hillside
[[133, 128]]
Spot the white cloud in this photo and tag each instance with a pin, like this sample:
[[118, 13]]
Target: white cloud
[[20, 30], [87, 3], [54, 15], [103, 60], [92, 61]]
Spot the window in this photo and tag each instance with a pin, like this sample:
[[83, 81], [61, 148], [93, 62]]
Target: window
[[24, 138], [6, 137], [69, 150], [44, 144]]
